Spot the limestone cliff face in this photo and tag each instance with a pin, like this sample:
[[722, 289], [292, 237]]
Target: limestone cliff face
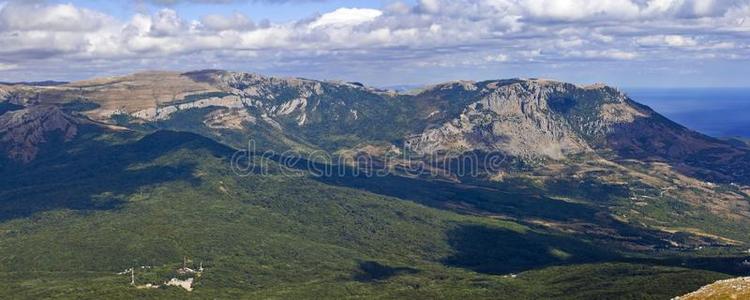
[[293, 101], [268, 88], [165, 112], [4, 93], [273, 98], [18, 94], [515, 119], [23, 131], [290, 101], [532, 119]]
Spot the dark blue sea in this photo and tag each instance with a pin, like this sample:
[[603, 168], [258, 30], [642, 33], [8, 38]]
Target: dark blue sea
[[719, 112]]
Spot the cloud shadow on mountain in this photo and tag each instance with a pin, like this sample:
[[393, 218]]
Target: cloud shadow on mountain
[[89, 175]]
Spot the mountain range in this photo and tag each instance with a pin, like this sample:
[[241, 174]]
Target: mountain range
[[593, 195]]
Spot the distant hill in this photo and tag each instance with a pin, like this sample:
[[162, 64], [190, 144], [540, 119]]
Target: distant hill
[[36, 83]]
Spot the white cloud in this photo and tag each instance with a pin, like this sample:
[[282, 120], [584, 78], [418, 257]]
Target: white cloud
[[606, 54], [667, 40], [723, 45], [346, 17], [661, 6], [581, 9], [496, 58], [602, 37], [571, 43], [166, 23], [236, 21], [435, 33], [429, 6], [400, 8], [59, 17], [679, 41]]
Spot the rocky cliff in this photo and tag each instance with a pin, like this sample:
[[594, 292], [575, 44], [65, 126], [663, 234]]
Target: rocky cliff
[[23, 131]]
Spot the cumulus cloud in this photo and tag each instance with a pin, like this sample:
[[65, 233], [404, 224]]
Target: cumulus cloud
[[429, 6], [173, 2], [430, 33], [60, 17], [346, 17], [692, 8], [166, 23], [571, 10], [236, 21]]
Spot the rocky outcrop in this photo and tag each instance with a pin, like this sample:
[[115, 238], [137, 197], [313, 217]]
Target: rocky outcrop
[[269, 88], [517, 118], [736, 288], [4, 94], [23, 131], [165, 112], [18, 94], [229, 119]]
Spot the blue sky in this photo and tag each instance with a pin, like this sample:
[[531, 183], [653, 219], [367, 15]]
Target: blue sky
[[627, 43], [258, 10]]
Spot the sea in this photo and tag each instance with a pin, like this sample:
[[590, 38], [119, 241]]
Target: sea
[[718, 112]]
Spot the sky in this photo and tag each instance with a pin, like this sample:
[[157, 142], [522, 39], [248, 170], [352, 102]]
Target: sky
[[625, 43]]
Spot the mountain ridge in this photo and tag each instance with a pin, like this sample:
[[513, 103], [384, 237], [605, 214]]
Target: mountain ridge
[[589, 181], [532, 119]]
